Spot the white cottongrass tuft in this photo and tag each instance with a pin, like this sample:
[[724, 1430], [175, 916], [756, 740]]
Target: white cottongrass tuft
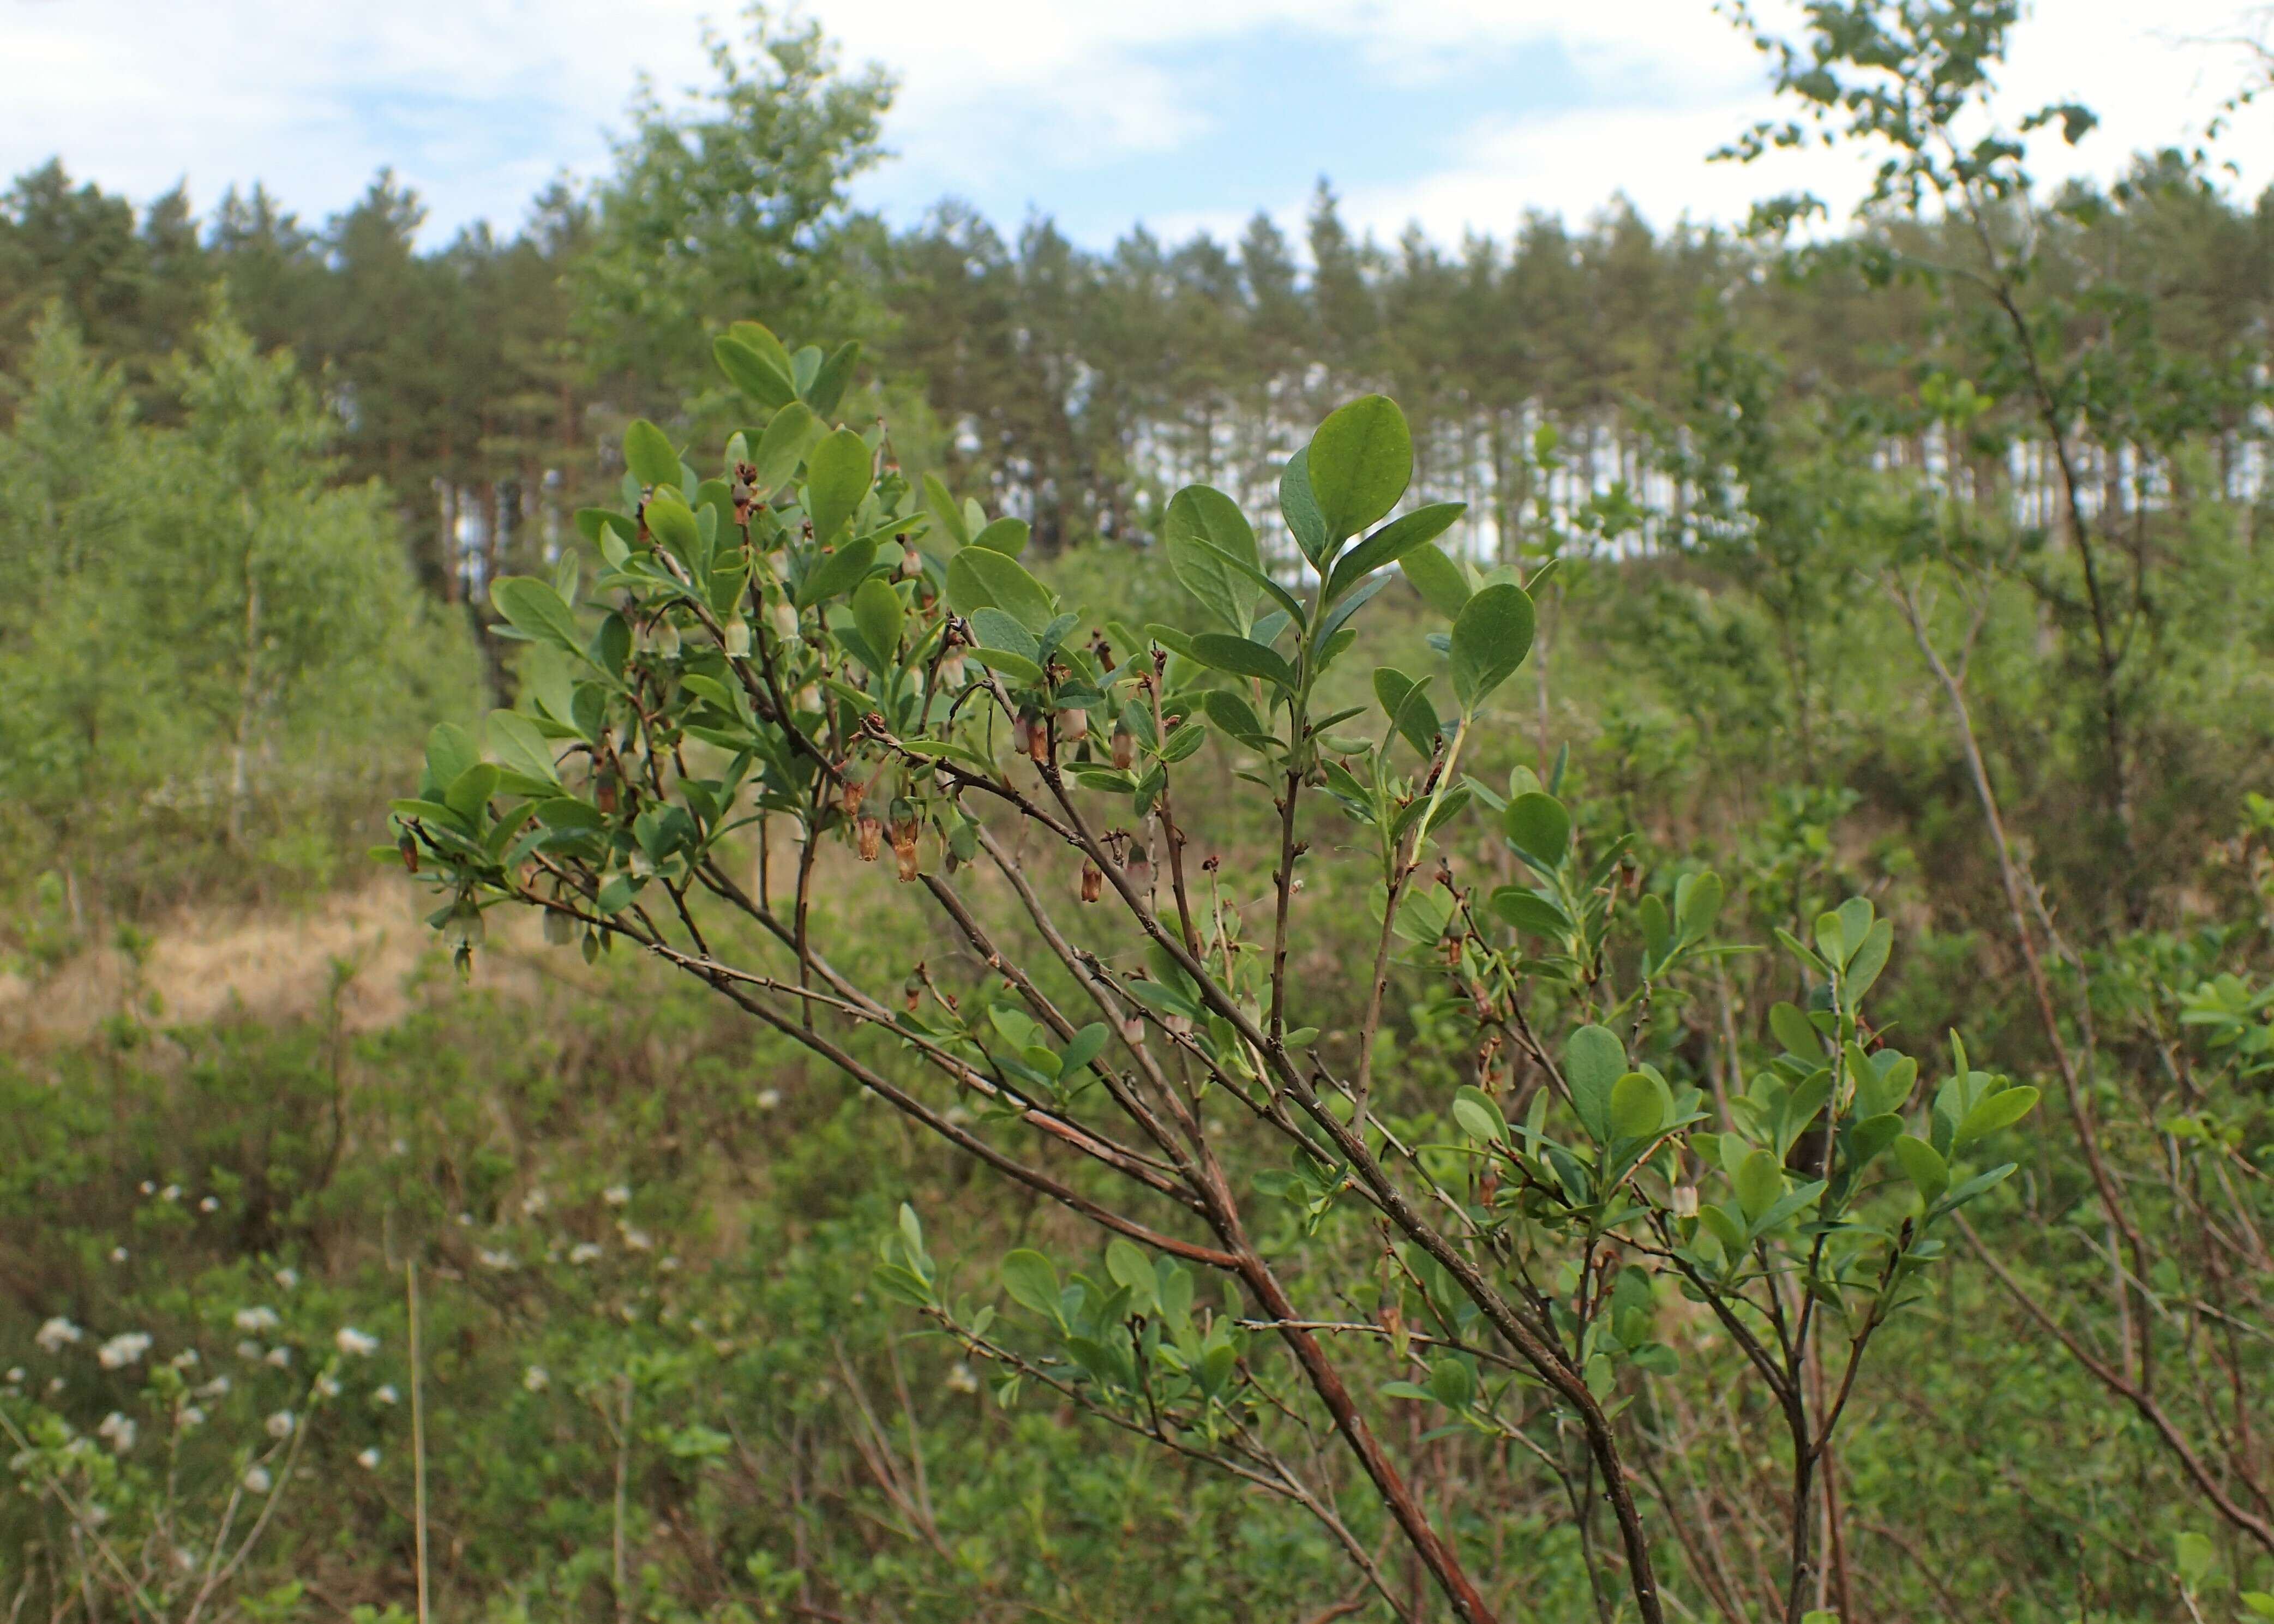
[[535, 1379], [362, 1344], [617, 1195], [368, 1459], [385, 1395], [257, 1480], [280, 1425], [257, 1319], [127, 1348], [118, 1430], [57, 1334]]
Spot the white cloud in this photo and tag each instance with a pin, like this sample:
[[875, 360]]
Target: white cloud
[[2154, 81], [476, 101]]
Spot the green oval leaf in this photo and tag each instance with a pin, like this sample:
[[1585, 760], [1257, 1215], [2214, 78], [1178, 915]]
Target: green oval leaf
[[1359, 463], [1232, 713], [1926, 1167], [828, 384], [1032, 1283], [1004, 583], [649, 454], [1639, 1106], [837, 573], [877, 614], [752, 373], [1871, 1136], [997, 630], [1593, 1061], [1128, 1268], [837, 476], [1479, 1116], [1792, 1030], [1451, 1382], [1491, 636], [1201, 530], [520, 747], [1007, 536], [1243, 658], [1994, 1111], [471, 789], [1392, 541], [672, 522], [942, 502], [1760, 1185], [1528, 911], [1300, 508], [531, 605], [1437, 578], [788, 437], [1018, 667], [1538, 827]]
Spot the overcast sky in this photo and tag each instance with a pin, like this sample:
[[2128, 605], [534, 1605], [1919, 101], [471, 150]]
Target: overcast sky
[[1460, 114]]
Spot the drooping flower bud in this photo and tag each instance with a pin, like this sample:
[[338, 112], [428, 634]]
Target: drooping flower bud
[[808, 699], [604, 789], [1125, 746], [409, 848], [781, 615], [1023, 733], [736, 638], [1178, 1026], [1092, 880], [1685, 1200], [464, 930], [870, 834], [1133, 1028], [849, 796], [560, 928], [906, 826], [912, 994], [1038, 736], [667, 638], [911, 564], [951, 671], [1073, 726], [1139, 867]]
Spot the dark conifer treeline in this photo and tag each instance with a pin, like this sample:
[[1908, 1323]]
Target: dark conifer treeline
[[485, 380]]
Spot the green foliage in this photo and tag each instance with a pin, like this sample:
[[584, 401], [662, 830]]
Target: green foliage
[[854, 683], [1312, 949], [734, 206], [222, 639]]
